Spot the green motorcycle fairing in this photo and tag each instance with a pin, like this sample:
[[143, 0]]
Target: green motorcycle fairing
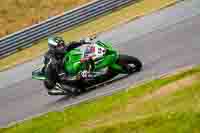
[[73, 64]]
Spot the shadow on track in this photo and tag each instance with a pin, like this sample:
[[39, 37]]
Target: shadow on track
[[66, 98]]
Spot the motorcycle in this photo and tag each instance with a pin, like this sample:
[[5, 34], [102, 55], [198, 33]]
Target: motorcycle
[[86, 57]]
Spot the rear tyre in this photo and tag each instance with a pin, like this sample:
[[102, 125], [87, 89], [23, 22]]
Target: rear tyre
[[131, 64]]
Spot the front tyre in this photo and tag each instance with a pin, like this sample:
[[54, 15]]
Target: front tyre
[[130, 64], [49, 84], [51, 75]]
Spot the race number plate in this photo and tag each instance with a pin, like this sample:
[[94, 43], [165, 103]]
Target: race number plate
[[95, 51]]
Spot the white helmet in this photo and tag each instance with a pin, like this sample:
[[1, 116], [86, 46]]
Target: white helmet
[[54, 42]]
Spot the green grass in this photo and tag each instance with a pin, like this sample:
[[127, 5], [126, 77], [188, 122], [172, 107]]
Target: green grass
[[176, 112], [179, 122]]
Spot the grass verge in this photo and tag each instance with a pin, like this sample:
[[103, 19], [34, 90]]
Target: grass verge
[[98, 25], [169, 104], [18, 14]]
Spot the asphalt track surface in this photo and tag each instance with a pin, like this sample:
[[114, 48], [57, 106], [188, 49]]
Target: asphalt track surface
[[165, 41]]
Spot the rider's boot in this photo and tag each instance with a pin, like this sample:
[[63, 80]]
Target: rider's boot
[[56, 90]]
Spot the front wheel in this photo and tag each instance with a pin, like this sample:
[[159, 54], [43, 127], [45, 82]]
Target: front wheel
[[51, 75], [49, 84], [130, 64]]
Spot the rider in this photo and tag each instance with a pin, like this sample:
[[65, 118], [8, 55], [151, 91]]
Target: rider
[[57, 50]]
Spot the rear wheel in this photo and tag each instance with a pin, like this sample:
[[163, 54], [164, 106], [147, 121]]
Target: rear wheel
[[130, 64]]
